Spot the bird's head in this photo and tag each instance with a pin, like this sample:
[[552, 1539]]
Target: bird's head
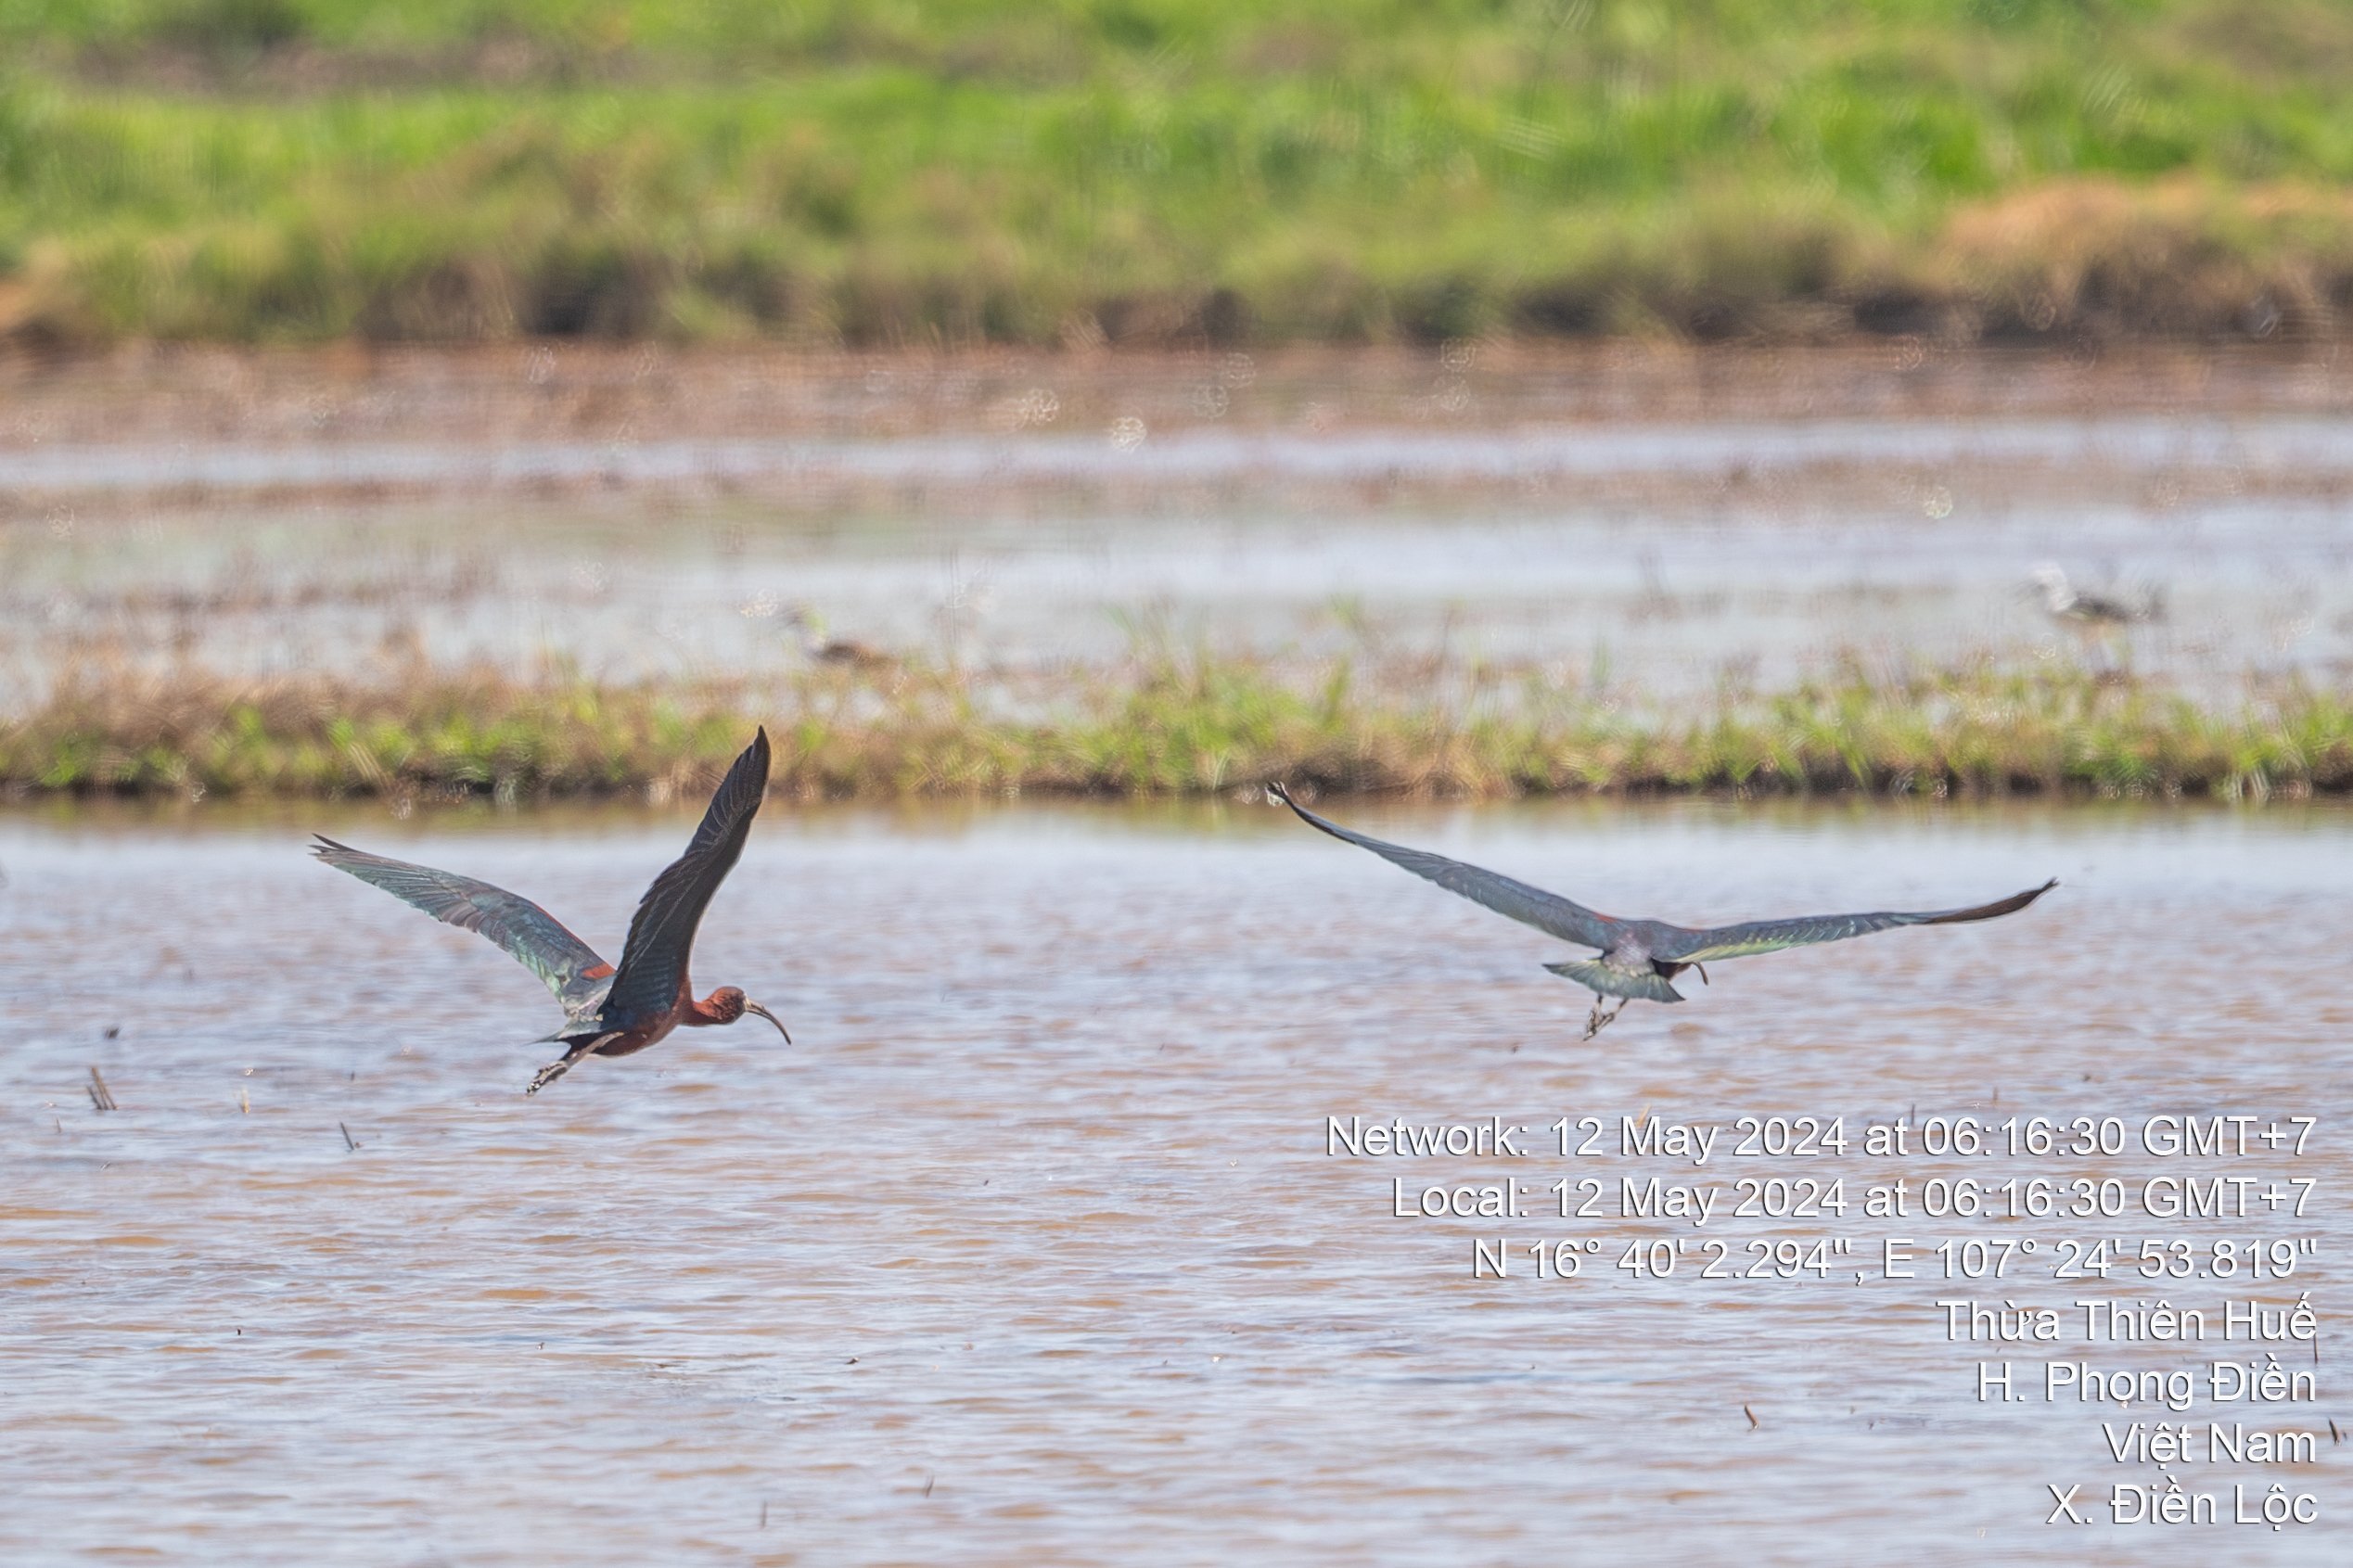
[[2051, 580], [728, 1003]]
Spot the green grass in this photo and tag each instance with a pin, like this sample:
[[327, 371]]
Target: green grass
[[946, 169], [1171, 725]]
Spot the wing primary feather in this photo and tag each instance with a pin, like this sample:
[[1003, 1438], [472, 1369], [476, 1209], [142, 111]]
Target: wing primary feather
[[661, 935], [1772, 935], [527, 932], [1547, 911], [2010, 905]]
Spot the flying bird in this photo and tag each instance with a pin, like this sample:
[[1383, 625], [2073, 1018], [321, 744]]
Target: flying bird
[[608, 1011], [1638, 956]]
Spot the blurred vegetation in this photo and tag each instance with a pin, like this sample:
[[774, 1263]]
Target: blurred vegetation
[[1170, 724], [1076, 170]]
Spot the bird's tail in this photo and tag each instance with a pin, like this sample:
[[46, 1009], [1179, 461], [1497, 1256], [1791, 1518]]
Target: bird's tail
[[1595, 975], [572, 1033]]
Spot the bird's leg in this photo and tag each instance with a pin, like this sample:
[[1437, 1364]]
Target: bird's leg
[[1597, 1021], [555, 1070]]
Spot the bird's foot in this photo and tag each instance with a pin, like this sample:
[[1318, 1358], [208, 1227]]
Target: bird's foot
[[1597, 1021], [549, 1074]]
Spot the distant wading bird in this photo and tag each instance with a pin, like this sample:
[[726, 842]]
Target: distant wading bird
[[611, 1012], [840, 652], [1638, 956], [2092, 612]]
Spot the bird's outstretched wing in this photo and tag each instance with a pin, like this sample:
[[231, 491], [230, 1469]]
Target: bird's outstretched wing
[[569, 966], [1546, 911], [661, 935], [1772, 935]]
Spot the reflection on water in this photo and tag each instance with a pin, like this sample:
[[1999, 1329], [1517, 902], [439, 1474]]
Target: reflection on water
[[1029, 1249]]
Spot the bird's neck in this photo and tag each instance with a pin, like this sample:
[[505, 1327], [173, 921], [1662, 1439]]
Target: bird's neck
[[704, 1014]]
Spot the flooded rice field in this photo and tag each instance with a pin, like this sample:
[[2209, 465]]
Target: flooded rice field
[[1662, 602], [1034, 1246], [1641, 531]]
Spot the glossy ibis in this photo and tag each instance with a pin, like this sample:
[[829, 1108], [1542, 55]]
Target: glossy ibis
[[1638, 956], [609, 1010]]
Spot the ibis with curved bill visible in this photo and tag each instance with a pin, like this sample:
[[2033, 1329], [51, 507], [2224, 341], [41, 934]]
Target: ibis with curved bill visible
[[1638, 956], [610, 1010]]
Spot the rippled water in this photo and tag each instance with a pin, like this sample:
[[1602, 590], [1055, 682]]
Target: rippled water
[[1030, 1249]]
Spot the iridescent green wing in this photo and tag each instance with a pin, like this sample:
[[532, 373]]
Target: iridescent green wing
[[537, 940]]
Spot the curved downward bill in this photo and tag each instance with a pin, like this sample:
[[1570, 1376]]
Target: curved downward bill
[[755, 1007]]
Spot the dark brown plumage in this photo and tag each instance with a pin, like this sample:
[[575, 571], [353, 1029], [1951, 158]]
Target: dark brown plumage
[[610, 1011]]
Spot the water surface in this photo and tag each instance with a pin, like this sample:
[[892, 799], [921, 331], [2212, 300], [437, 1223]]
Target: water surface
[[1030, 1249]]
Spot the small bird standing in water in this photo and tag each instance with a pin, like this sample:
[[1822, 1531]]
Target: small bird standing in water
[[2062, 602], [840, 652], [1638, 956], [610, 1011]]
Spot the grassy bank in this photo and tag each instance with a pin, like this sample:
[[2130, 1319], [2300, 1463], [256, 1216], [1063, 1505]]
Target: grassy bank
[[1151, 170], [1176, 727]]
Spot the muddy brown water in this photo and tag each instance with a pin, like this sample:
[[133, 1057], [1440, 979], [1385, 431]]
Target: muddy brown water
[[1031, 1248]]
